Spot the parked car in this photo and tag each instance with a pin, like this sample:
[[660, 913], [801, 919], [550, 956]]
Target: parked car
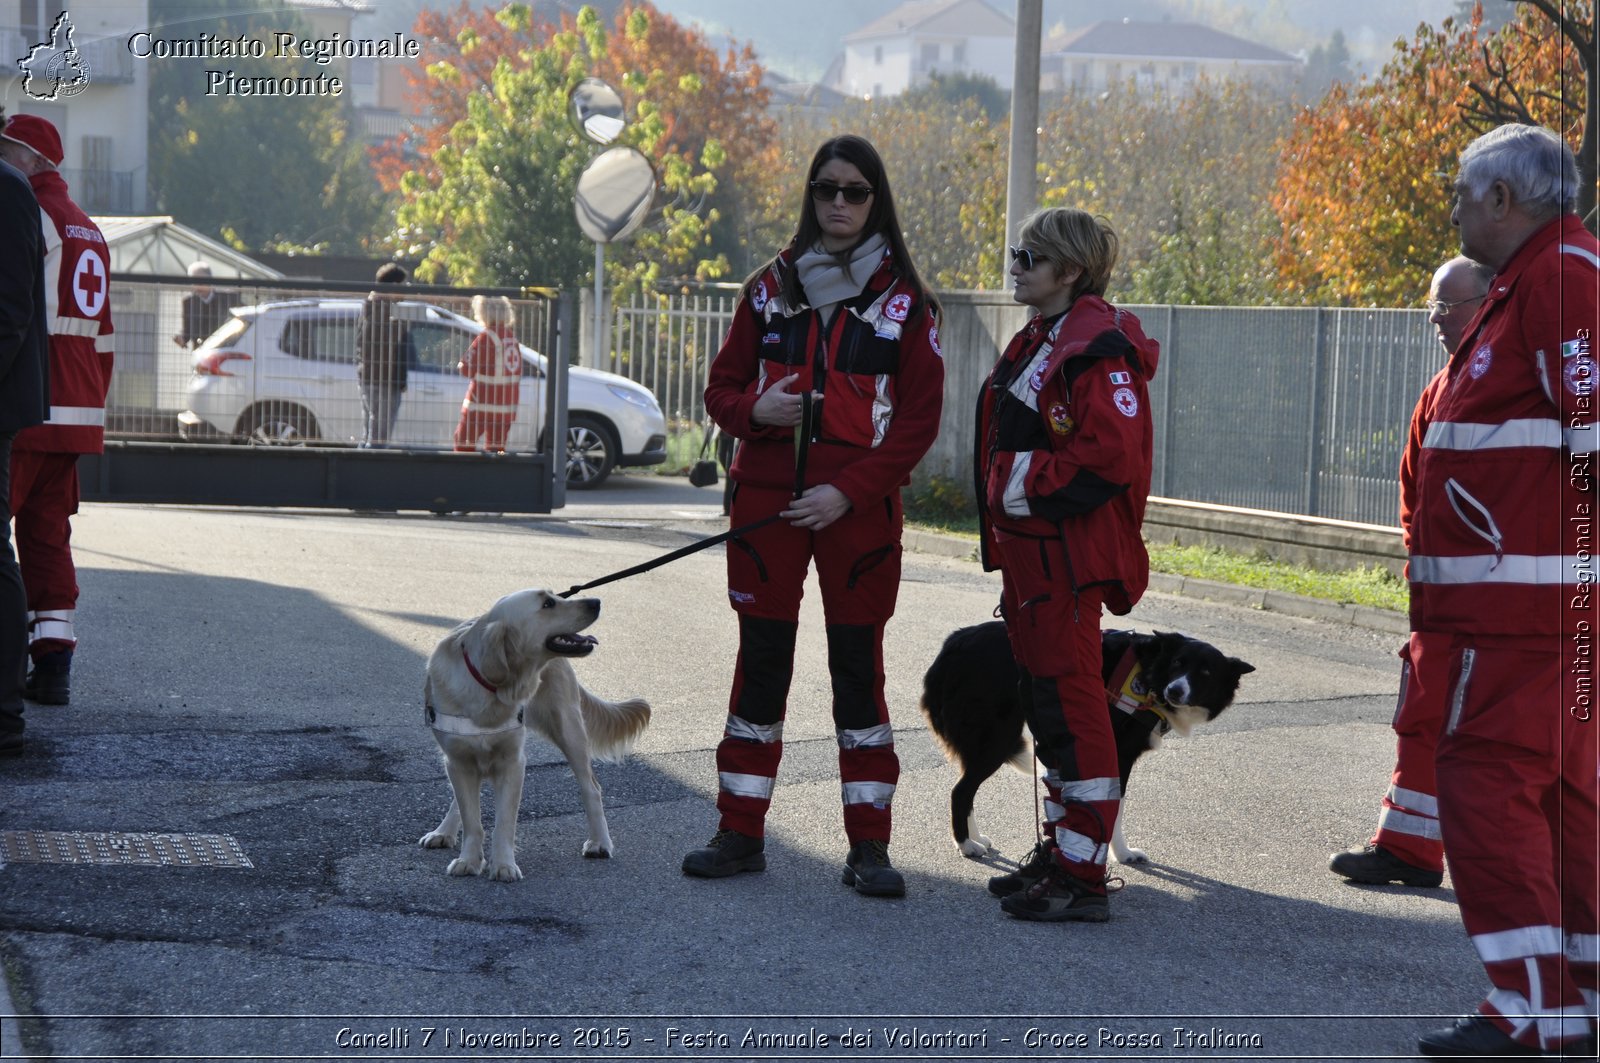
[[284, 374]]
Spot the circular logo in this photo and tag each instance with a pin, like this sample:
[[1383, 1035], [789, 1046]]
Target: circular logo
[[1127, 402], [898, 308], [758, 298], [1578, 375], [67, 73], [1060, 420], [513, 359], [933, 340], [1481, 361], [89, 284]]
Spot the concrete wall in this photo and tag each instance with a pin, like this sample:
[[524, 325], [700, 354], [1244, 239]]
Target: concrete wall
[[1311, 542]]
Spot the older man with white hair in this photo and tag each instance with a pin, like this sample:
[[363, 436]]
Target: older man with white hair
[[1502, 562]]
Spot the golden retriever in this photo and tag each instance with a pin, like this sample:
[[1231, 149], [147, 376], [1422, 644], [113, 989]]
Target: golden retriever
[[497, 676]]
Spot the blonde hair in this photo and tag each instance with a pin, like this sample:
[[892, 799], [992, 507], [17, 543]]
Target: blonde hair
[[1070, 237], [493, 310]]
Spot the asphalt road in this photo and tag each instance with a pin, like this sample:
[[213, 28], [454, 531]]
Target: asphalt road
[[257, 674]]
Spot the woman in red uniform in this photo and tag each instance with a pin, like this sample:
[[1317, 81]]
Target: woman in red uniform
[[1063, 469], [494, 366], [840, 315]]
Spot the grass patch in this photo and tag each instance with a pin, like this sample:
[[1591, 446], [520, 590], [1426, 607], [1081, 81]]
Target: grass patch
[[938, 506]]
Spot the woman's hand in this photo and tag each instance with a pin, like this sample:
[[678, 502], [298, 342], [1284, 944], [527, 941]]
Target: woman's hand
[[778, 406], [817, 508]]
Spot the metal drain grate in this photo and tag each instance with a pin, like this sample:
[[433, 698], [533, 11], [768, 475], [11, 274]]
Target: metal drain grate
[[132, 850]]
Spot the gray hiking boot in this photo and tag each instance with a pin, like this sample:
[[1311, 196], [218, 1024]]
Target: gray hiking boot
[[867, 868], [1034, 866], [1059, 897], [727, 853]]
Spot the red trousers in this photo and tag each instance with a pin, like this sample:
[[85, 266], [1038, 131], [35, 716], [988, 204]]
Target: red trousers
[[1055, 638], [493, 427], [1518, 798], [1408, 824], [858, 567], [44, 496]]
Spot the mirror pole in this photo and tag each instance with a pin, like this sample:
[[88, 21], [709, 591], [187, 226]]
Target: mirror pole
[[599, 302]]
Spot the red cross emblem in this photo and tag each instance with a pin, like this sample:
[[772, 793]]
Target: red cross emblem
[[89, 284]]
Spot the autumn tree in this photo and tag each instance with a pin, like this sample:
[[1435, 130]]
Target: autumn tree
[[686, 103], [1363, 193]]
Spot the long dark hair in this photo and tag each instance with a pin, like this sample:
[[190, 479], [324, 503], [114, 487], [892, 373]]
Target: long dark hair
[[858, 152]]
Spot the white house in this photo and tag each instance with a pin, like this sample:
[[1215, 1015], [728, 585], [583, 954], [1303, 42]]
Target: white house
[[89, 86], [923, 37], [1168, 55]]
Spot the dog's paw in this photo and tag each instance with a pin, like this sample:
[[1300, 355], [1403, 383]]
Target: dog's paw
[[976, 847], [436, 839], [593, 851], [462, 866], [506, 872], [1132, 856]]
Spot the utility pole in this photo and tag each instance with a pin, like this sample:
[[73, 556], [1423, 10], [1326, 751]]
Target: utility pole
[[1022, 193]]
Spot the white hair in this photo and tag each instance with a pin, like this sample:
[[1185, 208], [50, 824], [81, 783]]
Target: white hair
[[1536, 164]]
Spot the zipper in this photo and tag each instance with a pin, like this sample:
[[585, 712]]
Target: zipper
[[1459, 697], [1544, 376], [1454, 491]]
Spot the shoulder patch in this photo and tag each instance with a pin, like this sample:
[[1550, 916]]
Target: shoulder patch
[[898, 307], [1122, 378], [758, 297], [1127, 402]]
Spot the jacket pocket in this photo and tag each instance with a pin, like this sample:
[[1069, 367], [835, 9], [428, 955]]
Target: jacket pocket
[[1474, 514]]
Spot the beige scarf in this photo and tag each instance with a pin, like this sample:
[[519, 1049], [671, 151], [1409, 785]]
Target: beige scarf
[[827, 279]]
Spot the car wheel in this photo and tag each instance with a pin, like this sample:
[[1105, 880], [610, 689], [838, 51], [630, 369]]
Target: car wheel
[[278, 424], [591, 452]]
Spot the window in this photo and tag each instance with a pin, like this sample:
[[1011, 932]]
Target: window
[[321, 339], [438, 347], [930, 53], [958, 53]]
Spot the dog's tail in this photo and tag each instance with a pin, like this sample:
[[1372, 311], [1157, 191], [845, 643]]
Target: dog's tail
[[612, 725]]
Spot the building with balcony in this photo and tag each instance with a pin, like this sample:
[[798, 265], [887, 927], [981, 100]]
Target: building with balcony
[[921, 38], [90, 87]]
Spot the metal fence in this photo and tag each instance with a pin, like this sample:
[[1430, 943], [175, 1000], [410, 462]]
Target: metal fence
[[1298, 411], [290, 375]]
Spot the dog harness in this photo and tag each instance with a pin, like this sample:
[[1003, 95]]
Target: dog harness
[[1129, 692], [460, 725]]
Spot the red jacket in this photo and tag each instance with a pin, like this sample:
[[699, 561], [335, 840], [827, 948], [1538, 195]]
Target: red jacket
[[78, 311], [1502, 539], [1420, 418], [1065, 445], [878, 368], [494, 365]]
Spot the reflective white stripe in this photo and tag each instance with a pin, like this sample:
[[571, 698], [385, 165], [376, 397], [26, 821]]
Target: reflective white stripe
[[868, 793], [1464, 435], [460, 725], [104, 343], [753, 732], [1539, 569], [1016, 497], [882, 410], [1582, 439], [495, 380], [1581, 252], [1583, 948], [1415, 800], [88, 416], [867, 737], [74, 326], [1555, 1025], [60, 630], [758, 786], [484, 407], [1397, 822], [1517, 944], [1078, 847], [1054, 812], [1092, 790]]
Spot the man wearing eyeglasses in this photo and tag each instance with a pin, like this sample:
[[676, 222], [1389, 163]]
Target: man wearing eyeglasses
[[1502, 565], [1407, 848]]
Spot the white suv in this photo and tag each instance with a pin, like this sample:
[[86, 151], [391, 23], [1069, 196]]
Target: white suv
[[284, 373]]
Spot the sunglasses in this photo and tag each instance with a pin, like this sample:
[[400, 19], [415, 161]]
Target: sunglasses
[[1025, 256], [825, 191]]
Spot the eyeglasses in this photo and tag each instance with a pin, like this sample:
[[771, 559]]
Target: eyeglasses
[[1025, 256], [825, 191], [1442, 308]]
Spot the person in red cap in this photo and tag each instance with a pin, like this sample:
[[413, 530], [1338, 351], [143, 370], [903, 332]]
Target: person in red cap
[[44, 458]]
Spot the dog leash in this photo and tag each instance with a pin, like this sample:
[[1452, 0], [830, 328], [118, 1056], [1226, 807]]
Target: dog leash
[[802, 443]]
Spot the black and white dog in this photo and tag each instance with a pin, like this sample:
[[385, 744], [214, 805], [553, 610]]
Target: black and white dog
[[1155, 684]]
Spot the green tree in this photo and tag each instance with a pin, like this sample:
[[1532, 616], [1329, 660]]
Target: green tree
[[496, 205], [958, 88], [256, 171]]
